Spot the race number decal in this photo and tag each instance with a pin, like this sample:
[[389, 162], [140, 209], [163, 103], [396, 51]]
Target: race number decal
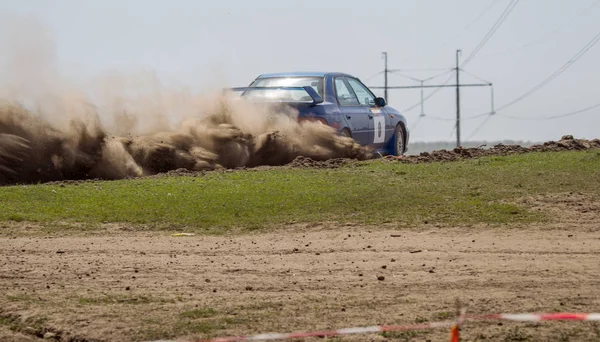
[[379, 122]]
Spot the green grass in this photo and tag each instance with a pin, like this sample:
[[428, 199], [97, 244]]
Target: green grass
[[199, 313], [203, 322], [20, 298], [375, 192], [402, 335], [121, 299]]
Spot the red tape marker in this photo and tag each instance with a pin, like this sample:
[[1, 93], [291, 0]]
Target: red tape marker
[[454, 332], [325, 333], [561, 316]]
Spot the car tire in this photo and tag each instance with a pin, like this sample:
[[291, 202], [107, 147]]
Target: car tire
[[346, 133], [399, 141]]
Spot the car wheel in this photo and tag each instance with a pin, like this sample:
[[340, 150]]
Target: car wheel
[[346, 133], [399, 141]]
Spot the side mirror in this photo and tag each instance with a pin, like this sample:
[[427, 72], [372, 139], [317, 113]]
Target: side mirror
[[380, 102]]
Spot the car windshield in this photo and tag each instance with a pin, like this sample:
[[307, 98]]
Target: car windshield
[[315, 82]]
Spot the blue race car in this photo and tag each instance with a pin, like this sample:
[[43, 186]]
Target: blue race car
[[339, 100]]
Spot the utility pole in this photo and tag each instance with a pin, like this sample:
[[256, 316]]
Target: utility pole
[[457, 100], [385, 76], [423, 86]]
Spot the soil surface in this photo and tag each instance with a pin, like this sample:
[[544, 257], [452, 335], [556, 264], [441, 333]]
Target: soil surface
[[132, 286], [566, 143]]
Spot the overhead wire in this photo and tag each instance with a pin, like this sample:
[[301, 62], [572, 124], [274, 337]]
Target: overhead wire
[[399, 72], [464, 118], [471, 23], [452, 131], [489, 7], [555, 74], [414, 126], [475, 76], [542, 38], [454, 119], [372, 76], [480, 127], [422, 69], [438, 75], [552, 117], [427, 97], [491, 32], [543, 83], [475, 51], [439, 118]]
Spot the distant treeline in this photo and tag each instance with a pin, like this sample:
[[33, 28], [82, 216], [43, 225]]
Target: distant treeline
[[418, 147]]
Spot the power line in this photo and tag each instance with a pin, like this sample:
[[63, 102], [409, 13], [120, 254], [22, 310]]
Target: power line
[[438, 75], [439, 118], [542, 38], [454, 119], [414, 126], [560, 70], [477, 116], [473, 75], [547, 80], [466, 27], [553, 116], [480, 127], [479, 16], [422, 69], [372, 76], [433, 86], [535, 119], [398, 72], [428, 96], [479, 46], [452, 131], [491, 32]]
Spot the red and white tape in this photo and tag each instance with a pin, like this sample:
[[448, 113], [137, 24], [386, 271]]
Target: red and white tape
[[561, 316], [326, 333], [524, 317]]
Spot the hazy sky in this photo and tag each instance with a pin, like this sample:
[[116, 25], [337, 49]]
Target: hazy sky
[[200, 43]]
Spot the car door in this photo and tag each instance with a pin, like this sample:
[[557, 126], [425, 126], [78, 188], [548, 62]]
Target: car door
[[379, 121], [356, 115]]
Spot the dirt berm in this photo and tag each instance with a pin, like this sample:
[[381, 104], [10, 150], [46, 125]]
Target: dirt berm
[[566, 143]]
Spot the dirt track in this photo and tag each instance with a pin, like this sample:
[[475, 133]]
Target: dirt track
[[132, 286]]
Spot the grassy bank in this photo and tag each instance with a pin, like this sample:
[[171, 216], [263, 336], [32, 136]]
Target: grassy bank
[[372, 192]]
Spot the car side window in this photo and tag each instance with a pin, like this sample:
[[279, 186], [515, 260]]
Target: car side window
[[344, 95], [364, 95]]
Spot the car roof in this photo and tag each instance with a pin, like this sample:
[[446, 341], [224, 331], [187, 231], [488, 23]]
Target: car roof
[[302, 73]]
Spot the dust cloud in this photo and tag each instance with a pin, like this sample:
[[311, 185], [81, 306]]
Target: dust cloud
[[122, 125]]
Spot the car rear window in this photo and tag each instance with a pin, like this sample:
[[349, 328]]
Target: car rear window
[[315, 82]]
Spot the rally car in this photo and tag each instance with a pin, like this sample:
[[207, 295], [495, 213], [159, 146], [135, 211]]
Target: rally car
[[339, 100]]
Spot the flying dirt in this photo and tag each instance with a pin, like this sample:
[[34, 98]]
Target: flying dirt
[[231, 135], [56, 125]]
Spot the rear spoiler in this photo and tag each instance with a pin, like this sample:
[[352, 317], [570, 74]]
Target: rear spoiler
[[316, 98]]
